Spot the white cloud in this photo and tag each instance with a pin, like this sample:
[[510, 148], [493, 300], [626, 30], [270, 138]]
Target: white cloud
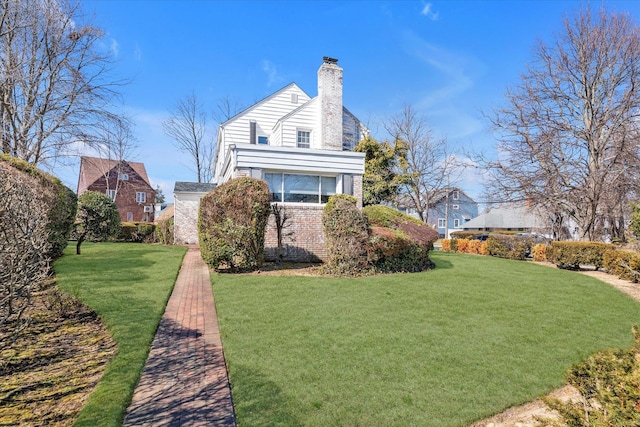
[[427, 11], [115, 48], [273, 77], [137, 52]]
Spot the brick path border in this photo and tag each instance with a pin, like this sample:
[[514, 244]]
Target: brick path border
[[185, 379]]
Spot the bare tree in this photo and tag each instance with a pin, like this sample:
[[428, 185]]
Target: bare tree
[[187, 126], [226, 108], [568, 135], [23, 245], [429, 163], [54, 78]]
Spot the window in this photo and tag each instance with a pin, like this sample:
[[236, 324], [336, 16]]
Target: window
[[264, 140], [123, 176], [304, 139], [456, 195], [455, 207], [129, 216], [442, 223], [111, 194], [141, 197], [456, 223], [294, 98], [300, 188]]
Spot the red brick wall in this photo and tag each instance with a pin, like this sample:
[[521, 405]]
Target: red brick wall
[[126, 196], [307, 241]]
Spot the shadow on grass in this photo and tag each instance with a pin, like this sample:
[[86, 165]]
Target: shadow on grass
[[263, 401], [441, 259], [184, 382]]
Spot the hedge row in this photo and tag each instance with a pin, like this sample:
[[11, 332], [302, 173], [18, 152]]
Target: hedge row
[[502, 246], [624, 264], [137, 232], [61, 204], [571, 255]]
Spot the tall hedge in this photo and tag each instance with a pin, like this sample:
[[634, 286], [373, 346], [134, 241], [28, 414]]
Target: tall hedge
[[61, 204], [231, 224], [346, 234]]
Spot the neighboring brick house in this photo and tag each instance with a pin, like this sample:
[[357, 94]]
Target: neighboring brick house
[[125, 182], [301, 146]]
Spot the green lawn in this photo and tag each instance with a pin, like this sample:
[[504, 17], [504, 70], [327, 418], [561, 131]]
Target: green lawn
[[128, 285], [445, 347]]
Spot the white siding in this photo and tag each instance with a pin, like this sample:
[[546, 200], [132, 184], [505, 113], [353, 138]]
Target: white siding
[[305, 118], [265, 113], [299, 160]]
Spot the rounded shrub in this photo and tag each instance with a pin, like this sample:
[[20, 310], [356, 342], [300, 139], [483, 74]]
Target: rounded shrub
[[98, 218], [231, 224]]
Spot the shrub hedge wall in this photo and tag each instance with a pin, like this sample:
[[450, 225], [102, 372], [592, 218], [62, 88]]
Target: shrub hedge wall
[[231, 224], [624, 264], [570, 255], [61, 203]]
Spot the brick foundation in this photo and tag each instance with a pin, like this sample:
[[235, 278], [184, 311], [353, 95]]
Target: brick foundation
[[306, 242]]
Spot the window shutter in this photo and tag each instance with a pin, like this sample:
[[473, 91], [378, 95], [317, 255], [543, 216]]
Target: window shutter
[[252, 132]]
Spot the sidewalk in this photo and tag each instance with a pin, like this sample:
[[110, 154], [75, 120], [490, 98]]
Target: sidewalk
[[185, 381]]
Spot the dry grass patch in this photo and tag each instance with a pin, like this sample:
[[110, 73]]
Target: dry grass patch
[[47, 374]]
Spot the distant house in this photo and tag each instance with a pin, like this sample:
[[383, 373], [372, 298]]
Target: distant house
[[186, 203], [300, 145], [126, 183], [509, 217], [461, 209]]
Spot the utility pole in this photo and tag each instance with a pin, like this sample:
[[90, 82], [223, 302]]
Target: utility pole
[[446, 211]]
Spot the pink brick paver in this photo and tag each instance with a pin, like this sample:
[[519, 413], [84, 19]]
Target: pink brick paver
[[185, 380]]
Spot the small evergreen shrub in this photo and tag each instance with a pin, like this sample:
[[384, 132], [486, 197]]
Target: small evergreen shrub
[[137, 232], [231, 224], [346, 234], [164, 231], [463, 246], [60, 201], [446, 245], [570, 255], [484, 250], [624, 264], [538, 252], [609, 384], [474, 247], [98, 218], [510, 247]]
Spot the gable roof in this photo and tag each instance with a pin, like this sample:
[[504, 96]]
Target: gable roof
[[193, 187], [506, 215], [93, 168], [262, 101]]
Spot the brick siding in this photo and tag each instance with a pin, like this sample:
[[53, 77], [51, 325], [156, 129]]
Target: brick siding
[[306, 243]]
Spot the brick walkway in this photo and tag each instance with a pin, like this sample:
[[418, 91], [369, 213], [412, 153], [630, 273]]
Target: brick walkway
[[185, 381]]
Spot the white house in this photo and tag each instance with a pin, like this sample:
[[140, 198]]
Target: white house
[[301, 146]]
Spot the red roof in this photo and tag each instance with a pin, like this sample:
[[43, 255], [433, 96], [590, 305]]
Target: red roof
[[94, 168]]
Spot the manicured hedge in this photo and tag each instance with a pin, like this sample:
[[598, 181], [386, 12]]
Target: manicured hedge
[[624, 264], [61, 203], [571, 255], [231, 224], [398, 242], [137, 232], [346, 235], [510, 247]]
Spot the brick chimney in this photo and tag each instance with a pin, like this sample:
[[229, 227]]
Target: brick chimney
[[330, 94]]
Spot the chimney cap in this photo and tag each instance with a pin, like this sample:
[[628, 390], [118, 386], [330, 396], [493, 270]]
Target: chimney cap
[[329, 60]]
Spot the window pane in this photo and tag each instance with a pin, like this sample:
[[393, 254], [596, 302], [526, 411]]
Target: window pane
[[304, 139], [274, 181], [301, 188], [328, 188], [263, 140]]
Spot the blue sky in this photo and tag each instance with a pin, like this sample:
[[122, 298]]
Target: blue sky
[[451, 60]]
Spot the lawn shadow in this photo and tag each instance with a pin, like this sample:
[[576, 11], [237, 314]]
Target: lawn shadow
[[184, 382], [262, 401], [440, 259]]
